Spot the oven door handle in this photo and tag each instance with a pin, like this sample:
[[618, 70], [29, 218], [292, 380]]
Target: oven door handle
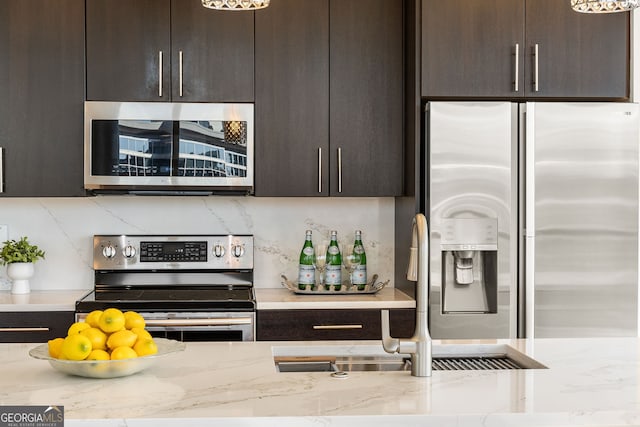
[[200, 322]]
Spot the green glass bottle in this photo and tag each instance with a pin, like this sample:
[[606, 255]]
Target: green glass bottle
[[306, 266], [360, 273], [333, 275]]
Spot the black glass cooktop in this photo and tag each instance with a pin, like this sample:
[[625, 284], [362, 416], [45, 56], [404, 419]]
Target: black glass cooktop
[[198, 298]]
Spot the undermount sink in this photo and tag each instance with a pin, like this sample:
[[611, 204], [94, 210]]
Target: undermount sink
[[371, 358]]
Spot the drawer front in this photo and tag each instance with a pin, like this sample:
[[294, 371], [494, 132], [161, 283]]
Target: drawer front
[[304, 325], [34, 326]]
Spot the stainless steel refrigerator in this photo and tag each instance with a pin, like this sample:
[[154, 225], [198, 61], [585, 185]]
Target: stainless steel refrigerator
[[533, 212]]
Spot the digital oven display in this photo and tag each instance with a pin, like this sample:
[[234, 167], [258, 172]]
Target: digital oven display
[[173, 251]]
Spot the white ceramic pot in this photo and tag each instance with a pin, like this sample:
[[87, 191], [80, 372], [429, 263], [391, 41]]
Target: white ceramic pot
[[20, 273]]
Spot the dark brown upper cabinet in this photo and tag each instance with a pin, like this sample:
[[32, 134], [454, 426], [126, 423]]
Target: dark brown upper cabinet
[[366, 97], [41, 97], [329, 98], [168, 50], [292, 99], [516, 49]]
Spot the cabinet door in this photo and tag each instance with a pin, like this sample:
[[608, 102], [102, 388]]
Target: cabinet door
[[125, 42], [217, 53], [292, 98], [366, 97], [305, 325], [41, 96], [469, 48], [38, 326], [579, 55]]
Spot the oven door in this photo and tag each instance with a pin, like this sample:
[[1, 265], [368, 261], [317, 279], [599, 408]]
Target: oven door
[[199, 326]]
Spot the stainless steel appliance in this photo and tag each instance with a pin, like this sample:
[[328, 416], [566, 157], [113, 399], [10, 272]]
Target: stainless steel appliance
[[168, 147], [190, 288], [533, 211]]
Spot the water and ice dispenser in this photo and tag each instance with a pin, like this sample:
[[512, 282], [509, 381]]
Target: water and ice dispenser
[[469, 254]]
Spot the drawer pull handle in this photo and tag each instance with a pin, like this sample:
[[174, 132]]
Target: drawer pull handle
[[24, 329], [325, 327]]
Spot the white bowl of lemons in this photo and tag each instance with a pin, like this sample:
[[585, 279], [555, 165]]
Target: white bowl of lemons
[[106, 344]]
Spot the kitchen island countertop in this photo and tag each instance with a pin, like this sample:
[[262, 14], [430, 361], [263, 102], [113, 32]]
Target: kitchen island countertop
[[588, 381]]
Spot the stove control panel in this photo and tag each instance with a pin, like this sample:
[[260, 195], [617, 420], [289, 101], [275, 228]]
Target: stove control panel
[[208, 252]]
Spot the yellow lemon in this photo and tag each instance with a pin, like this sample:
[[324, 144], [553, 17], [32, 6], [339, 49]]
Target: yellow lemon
[[123, 353], [111, 320], [55, 347], [133, 320], [145, 347], [123, 338], [76, 347], [76, 327], [141, 333], [93, 318], [97, 337], [98, 355]]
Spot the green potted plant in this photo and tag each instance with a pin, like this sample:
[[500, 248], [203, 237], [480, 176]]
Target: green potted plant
[[19, 257]]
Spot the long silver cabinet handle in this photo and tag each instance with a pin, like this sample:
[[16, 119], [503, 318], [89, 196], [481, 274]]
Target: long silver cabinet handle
[[333, 327], [1, 170], [24, 329], [516, 68], [536, 75], [180, 74], [160, 74], [319, 169], [339, 170]]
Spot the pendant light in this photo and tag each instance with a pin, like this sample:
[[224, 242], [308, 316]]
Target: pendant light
[[603, 6], [235, 4]]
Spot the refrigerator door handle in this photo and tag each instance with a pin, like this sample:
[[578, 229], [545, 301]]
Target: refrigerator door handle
[[530, 277], [530, 186], [528, 141]]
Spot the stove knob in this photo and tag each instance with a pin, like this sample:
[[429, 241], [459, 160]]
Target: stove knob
[[237, 250], [129, 251], [109, 251], [218, 250]]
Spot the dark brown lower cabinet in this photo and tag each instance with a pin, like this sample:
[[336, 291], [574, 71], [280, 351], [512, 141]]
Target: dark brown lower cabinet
[[343, 324], [34, 326]]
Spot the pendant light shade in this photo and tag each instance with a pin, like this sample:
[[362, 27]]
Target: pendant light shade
[[235, 4], [603, 6]]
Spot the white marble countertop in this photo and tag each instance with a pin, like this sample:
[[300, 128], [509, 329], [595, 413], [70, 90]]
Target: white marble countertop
[[267, 299], [40, 300], [284, 299], [588, 382]]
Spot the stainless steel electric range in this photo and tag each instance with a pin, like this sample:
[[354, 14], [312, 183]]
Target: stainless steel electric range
[[187, 287]]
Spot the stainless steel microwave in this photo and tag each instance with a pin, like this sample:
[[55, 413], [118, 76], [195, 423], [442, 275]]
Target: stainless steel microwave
[[168, 147]]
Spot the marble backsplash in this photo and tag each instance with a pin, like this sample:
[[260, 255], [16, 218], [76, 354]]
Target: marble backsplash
[[64, 227]]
